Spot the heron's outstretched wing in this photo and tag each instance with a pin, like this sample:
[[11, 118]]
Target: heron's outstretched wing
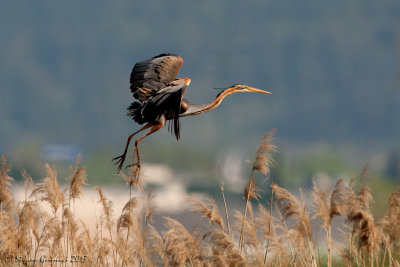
[[150, 76]]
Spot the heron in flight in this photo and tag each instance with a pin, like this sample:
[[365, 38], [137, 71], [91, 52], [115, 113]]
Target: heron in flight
[[159, 96]]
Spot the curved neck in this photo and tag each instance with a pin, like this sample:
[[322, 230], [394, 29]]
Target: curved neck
[[194, 109], [218, 99]]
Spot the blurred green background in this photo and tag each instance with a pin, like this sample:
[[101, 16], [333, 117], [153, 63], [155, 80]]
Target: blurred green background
[[332, 68]]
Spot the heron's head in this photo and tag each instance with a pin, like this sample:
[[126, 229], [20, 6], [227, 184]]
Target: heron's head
[[245, 88]]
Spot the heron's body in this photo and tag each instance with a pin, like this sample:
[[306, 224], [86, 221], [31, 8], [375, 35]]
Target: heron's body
[[159, 97]]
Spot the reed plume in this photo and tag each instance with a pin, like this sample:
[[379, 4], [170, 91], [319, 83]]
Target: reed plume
[[6, 199], [49, 191], [180, 246], [392, 215], [359, 214], [263, 160], [391, 230], [224, 251], [134, 179], [291, 207], [328, 205], [300, 236], [78, 179], [107, 206], [262, 163], [209, 211]]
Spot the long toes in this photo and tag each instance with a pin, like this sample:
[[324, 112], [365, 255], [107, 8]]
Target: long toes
[[118, 159], [131, 165]]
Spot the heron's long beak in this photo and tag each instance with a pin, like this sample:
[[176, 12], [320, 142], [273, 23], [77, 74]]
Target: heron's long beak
[[255, 90]]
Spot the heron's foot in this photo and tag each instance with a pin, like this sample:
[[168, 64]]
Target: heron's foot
[[119, 160], [137, 164]]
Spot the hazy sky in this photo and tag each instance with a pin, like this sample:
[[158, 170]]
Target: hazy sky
[[332, 68]]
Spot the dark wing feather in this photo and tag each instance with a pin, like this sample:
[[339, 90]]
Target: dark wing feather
[[150, 76], [167, 102]]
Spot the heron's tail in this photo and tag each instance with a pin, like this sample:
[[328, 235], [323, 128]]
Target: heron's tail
[[135, 112]]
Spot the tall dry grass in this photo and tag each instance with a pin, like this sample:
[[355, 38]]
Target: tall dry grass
[[274, 232]]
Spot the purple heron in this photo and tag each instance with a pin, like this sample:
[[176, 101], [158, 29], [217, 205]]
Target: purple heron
[[159, 96]]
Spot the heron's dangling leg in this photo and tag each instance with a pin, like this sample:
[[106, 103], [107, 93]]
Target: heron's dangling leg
[[121, 159], [155, 127]]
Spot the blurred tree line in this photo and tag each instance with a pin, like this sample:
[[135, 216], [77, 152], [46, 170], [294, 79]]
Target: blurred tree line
[[331, 67]]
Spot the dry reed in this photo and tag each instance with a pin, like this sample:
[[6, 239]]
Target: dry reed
[[277, 235]]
